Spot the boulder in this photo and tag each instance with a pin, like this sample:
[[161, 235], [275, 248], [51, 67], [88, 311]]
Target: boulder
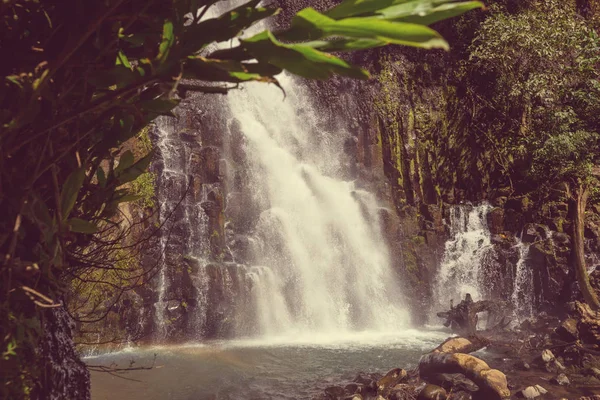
[[561, 380], [532, 392], [567, 330], [547, 356], [453, 382], [492, 383], [432, 392], [391, 379], [461, 345]]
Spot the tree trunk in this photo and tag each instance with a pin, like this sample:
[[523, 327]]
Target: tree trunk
[[580, 201]]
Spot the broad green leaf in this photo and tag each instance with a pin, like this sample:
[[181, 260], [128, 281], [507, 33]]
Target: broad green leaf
[[125, 161], [351, 8], [230, 71], [122, 60], [135, 170], [427, 12], [168, 39], [299, 59], [70, 190], [345, 44], [14, 79], [81, 226], [310, 24], [229, 25]]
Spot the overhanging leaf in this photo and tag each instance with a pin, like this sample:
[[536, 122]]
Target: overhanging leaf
[[350, 8], [226, 26], [427, 12], [168, 38], [310, 24], [299, 59], [70, 190], [135, 170], [125, 161], [81, 226]]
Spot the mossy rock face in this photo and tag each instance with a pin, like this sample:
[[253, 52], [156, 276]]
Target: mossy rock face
[[495, 220]]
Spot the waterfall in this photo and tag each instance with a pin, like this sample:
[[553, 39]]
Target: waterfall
[[522, 295], [464, 256], [324, 265], [274, 237]]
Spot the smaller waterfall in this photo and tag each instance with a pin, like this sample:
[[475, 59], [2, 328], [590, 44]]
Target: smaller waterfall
[[464, 256], [522, 295]]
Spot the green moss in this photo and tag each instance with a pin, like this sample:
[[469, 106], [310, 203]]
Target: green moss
[[410, 262], [145, 187], [418, 240]]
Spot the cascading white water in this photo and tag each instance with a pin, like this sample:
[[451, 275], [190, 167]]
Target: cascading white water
[[325, 266], [522, 295], [464, 254]]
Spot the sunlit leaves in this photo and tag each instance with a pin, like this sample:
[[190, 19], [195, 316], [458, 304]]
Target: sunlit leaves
[[299, 59]]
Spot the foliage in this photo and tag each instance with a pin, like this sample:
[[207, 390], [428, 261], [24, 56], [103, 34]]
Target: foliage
[[544, 61], [516, 104], [83, 77], [144, 188]]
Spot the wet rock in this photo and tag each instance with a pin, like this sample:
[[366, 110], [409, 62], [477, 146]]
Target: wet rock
[[352, 388], [534, 233], [391, 379], [461, 345], [402, 391], [453, 382], [368, 384], [461, 396], [589, 324], [495, 220], [432, 392], [555, 366], [594, 397], [354, 397], [547, 356], [492, 383], [335, 392], [532, 392], [561, 380], [567, 330]]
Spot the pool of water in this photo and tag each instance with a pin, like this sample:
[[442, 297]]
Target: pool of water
[[275, 368]]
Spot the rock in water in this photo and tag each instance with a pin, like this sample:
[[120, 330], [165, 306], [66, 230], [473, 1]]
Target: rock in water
[[391, 379], [561, 379], [335, 392], [492, 383], [453, 382], [432, 392], [461, 345]]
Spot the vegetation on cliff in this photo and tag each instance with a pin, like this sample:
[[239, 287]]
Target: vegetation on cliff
[[510, 116]]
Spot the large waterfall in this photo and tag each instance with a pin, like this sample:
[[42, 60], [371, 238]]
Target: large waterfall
[[327, 267], [274, 182]]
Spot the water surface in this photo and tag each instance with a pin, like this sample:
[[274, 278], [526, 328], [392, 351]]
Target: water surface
[[275, 368]]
